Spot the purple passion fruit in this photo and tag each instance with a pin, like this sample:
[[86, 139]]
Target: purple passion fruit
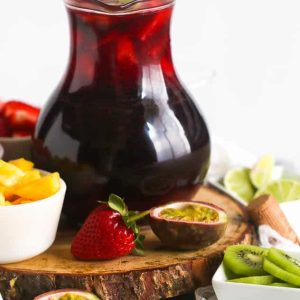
[[188, 225], [67, 294]]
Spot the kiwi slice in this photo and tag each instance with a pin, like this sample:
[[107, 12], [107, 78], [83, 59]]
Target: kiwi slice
[[262, 280], [229, 274], [282, 284], [284, 261], [245, 260], [280, 273]]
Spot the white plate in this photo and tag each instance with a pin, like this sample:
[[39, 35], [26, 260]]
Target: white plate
[[232, 291]]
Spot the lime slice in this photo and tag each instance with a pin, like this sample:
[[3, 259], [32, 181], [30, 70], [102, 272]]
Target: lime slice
[[283, 190], [237, 181], [261, 173]]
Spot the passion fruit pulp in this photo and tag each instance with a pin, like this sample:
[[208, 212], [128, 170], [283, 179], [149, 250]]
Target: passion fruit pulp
[[67, 294], [188, 225]]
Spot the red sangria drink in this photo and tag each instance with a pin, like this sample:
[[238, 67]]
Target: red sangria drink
[[121, 121]]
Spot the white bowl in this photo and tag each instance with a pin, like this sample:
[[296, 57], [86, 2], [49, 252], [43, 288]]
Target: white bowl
[[27, 230], [241, 291]]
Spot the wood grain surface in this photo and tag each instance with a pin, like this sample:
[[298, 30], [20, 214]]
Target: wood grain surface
[[160, 274]]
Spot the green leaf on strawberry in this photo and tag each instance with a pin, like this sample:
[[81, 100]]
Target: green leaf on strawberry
[[129, 217], [117, 203]]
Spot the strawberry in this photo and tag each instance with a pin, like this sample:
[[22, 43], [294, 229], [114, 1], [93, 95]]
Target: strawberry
[[5, 131], [21, 133], [20, 115], [110, 231]]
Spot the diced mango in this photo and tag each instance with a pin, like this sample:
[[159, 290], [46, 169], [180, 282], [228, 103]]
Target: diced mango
[[9, 192], [6, 191], [29, 177], [9, 174], [21, 201], [2, 200], [40, 188], [23, 164]]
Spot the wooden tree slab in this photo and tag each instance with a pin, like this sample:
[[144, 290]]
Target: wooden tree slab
[[160, 274]]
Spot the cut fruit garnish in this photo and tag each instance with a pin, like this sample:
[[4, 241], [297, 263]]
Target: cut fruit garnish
[[283, 284], [23, 164], [9, 174], [67, 294], [282, 190], [188, 225], [238, 182], [40, 188], [278, 272], [261, 280], [245, 260], [284, 261], [261, 173]]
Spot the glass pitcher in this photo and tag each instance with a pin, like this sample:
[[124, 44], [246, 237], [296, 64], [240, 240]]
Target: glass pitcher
[[120, 121]]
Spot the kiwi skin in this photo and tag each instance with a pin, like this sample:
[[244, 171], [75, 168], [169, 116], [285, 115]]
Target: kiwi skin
[[283, 284], [284, 261], [245, 260], [280, 273]]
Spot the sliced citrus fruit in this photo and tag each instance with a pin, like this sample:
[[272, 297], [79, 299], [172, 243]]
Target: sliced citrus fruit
[[261, 173], [237, 181], [282, 190]]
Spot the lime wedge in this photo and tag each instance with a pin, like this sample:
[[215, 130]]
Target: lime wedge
[[282, 190], [261, 173], [237, 181]]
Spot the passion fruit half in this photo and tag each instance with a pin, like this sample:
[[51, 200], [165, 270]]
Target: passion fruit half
[[67, 294], [188, 225]]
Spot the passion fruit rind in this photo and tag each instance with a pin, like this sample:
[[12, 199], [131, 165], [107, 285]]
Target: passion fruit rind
[[188, 232]]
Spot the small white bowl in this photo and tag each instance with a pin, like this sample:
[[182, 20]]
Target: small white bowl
[[241, 291], [27, 230]]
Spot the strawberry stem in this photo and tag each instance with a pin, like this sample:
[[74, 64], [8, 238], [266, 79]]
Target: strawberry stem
[[138, 216]]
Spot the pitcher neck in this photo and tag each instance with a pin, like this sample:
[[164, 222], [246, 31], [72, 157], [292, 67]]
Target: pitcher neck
[[117, 48]]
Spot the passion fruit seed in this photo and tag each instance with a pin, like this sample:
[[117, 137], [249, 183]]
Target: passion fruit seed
[[70, 296], [192, 213]]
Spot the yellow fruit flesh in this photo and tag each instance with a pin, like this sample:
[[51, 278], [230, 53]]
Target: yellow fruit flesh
[[39, 189], [23, 164], [9, 174]]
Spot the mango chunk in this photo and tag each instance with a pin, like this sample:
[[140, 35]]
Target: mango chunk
[[2, 200], [21, 201], [9, 174], [39, 189], [29, 177], [9, 192], [23, 164]]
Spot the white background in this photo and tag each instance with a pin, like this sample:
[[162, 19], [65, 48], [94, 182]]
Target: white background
[[247, 52]]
